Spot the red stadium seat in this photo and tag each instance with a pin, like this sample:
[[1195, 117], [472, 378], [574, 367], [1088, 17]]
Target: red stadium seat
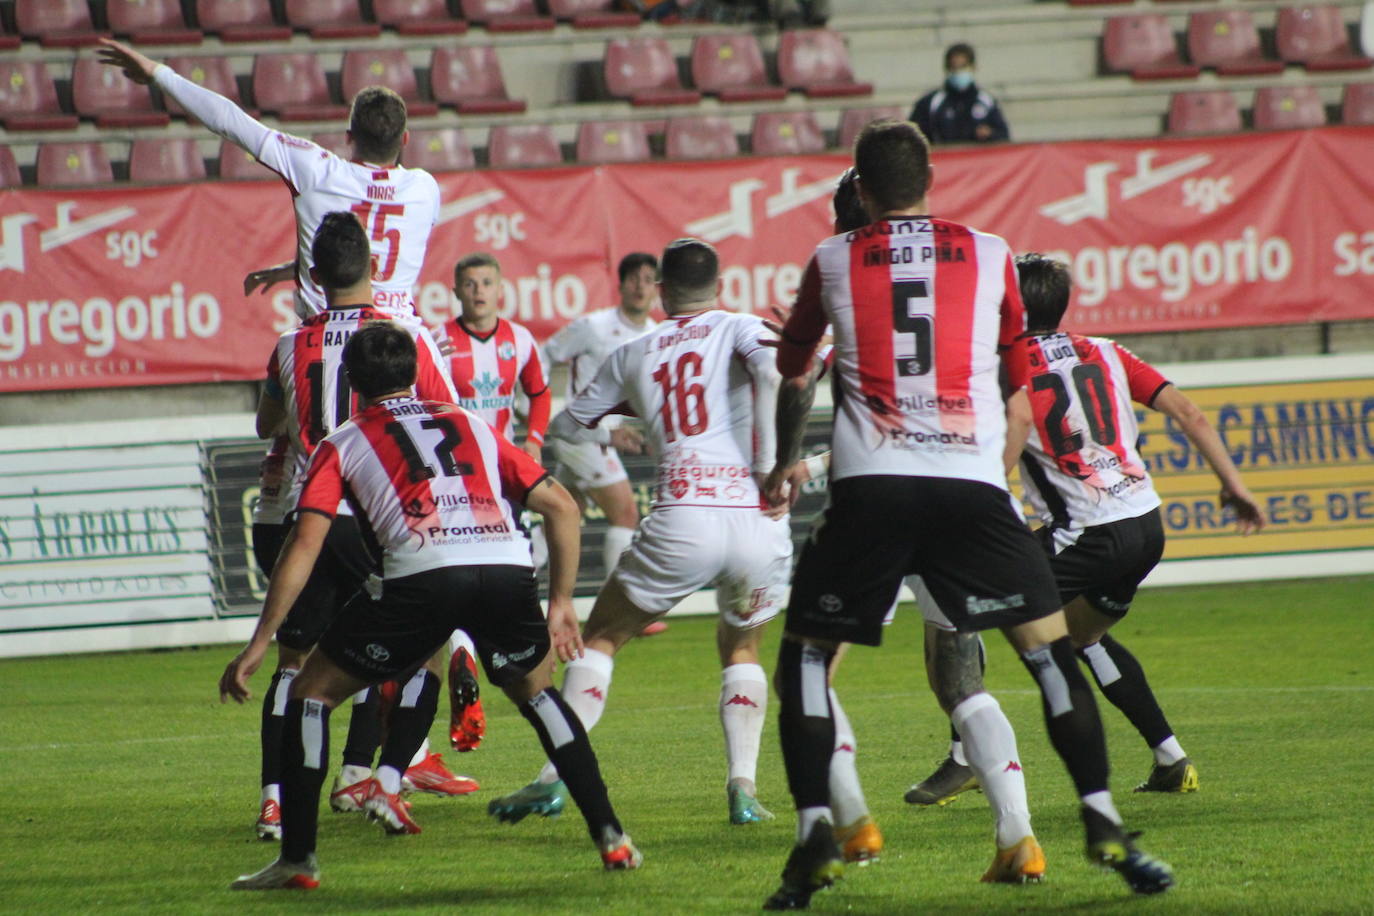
[[785, 132], [1144, 47], [1288, 108], [644, 71], [511, 146], [469, 78], [165, 161], [112, 99], [336, 141], [1228, 42], [706, 137], [150, 22], [240, 20], [330, 19], [612, 141], [506, 15], [1357, 104], [55, 23], [1204, 113], [418, 17], [816, 62], [63, 164], [293, 87], [856, 119], [593, 14], [9, 169], [442, 150], [28, 98], [387, 67], [236, 163], [1316, 37], [731, 67], [214, 73]]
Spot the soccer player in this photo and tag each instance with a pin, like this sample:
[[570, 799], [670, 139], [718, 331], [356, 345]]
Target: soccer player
[[705, 388], [307, 396], [434, 484], [1088, 484], [919, 307]]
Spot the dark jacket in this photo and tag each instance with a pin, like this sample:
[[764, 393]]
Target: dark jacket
[[951, 115]]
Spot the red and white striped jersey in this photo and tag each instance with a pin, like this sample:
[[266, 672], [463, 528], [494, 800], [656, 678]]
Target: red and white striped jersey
[[486, 369], [397, 206], [1081, 466], [919, 308], [693, 382], [430, 482]]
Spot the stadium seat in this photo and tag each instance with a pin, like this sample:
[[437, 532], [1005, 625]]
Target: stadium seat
[[1203, 113], [165, 161], [785, 132], [293, 87], [8, 41], [418, 17], [612, 141], [110, 98], [512, 146], [214, 73], [63, 164], [644, 71], [731, 68], [705, 137], [330, 19], [9, 169], [336, 141], [55, 23], [240, 20], [816, 62], [1357, 104], [1228, 42], [1316, 37], [443, 150], [389, 67], [1144, 47], [469, 78], [1288, 108], [236, 163], [593, 14], [28, 98], [506, 15], [150, 22], [856, 119]]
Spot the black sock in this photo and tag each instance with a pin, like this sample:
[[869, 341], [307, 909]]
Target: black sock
[[1070, 714], [410, 721], [272, 725], [566, 744], [805, 724], [304, 759], [364, 732], [1123, 682]]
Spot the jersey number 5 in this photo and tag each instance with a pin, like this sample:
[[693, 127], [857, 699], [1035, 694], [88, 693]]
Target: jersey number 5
[[688, 396], [373, 217], [443, 450], [918, 326]]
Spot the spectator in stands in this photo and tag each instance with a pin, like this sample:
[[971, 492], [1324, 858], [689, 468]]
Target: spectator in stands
[[960, 112]]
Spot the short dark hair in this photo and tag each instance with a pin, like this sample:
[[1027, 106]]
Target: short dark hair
[[690, 269], [377, 121], [1045, 286], [634, 261], [893, 161], [380, 359], [849, 210], [340, 251], [960, 48], [470, 261]]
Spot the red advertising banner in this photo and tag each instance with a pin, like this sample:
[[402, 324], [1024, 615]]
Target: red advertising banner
[[144, 286]]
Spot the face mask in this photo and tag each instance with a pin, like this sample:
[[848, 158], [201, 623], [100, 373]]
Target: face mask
[[960, 79]]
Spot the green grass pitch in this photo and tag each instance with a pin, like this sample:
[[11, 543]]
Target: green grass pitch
[[128, 788]]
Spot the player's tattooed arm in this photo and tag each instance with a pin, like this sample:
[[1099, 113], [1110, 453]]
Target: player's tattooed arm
[[954, 665]]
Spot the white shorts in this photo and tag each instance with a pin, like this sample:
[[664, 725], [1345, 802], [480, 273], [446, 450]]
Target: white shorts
[[586, 465], [743, 553], [929, 609]]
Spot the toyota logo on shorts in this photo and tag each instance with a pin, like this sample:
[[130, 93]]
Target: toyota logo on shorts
[[377, 653], [831, 604]]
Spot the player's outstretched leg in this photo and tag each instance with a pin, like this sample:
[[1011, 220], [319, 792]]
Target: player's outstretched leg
[[856, 831], [467, 723], [268, 826], [364, 736], [743, 707]]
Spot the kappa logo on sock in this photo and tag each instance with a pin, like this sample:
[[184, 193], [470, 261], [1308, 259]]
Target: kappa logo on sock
[[845, 748], [740, 699], [1012, 765], [596, 694]]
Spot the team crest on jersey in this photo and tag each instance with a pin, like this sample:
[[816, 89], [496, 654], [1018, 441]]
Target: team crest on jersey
[[486, 385], [677, 487], [506, 350]]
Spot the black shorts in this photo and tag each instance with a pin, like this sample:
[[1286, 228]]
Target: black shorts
[[340, 573], [1108, 562], [377, 640], [979, 560]]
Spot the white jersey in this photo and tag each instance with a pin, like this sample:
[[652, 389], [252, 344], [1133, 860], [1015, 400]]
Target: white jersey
[[397, 206], [706, 389], [586, 342]]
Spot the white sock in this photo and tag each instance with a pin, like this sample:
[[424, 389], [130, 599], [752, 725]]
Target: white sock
[[846, 794], [351, 775], [390, 778], [956, 752], [271, 792], [743, 703], [807, 818], [1168, 751], [586, 683], [990, 744], [461, 640], [1101, 802], [617, 539]]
